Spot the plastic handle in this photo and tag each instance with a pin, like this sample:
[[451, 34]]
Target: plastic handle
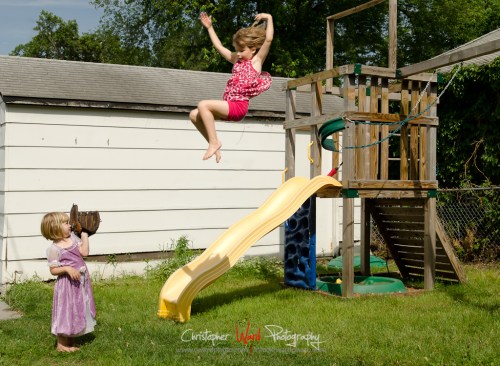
[[309, 152]]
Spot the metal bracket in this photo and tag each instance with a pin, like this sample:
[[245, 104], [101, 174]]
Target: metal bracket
[[350, 193], [432, 193]]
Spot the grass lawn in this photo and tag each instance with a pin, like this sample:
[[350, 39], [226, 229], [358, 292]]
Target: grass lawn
[[452, 325]]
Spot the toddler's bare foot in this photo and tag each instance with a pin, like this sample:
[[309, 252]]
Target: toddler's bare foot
[[213, 149], [61, 348]]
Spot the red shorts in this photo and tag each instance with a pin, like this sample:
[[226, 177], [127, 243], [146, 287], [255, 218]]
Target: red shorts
[[237, 110]]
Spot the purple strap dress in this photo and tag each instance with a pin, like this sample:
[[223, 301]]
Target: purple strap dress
[[73, 308]]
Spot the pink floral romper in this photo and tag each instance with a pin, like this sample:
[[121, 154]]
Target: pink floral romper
[[244, 84]]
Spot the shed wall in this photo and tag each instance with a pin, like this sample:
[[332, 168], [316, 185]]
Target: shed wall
[[143, 171], [3, 245]]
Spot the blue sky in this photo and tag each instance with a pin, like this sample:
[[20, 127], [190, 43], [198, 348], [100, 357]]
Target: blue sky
[[18, 18]]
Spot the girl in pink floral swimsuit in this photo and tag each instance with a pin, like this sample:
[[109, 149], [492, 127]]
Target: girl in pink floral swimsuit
[[247, 81]]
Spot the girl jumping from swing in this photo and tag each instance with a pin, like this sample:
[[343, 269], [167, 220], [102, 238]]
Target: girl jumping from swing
[[247, 81]]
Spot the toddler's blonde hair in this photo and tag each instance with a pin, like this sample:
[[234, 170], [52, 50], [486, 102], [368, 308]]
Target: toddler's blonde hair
[[251, 37], [51, 226]]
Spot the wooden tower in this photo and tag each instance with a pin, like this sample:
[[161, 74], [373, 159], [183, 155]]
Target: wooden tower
[[398, 195]]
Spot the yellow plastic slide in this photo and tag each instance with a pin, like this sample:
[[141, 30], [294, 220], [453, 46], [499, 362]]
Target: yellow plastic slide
[[182, 286]]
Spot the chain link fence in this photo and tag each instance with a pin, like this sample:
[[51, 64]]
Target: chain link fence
[[471, 219]]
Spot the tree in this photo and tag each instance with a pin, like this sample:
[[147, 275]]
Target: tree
[[469, 130], [166, 33], [175, 37], [57, 39], [430, 27]]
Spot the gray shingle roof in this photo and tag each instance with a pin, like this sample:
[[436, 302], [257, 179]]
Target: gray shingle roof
[[44, 79]]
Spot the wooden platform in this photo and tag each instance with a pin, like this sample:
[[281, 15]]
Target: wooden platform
[[401, 224], [383, 189]]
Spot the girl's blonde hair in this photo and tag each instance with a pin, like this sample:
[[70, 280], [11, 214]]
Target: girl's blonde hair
[[51, 226], [251, 37]]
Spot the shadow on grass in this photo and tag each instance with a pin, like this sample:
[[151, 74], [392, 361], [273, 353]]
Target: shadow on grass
[[472, 297], [85, 339], [206, 303], [80, 341]]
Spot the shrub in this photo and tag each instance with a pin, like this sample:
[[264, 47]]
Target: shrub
[[180, 255]]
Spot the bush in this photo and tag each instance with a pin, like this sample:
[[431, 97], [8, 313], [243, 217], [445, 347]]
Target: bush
[[258, 267], [180, 255]]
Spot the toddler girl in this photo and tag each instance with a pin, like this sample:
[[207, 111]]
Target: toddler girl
[[247, 81], [73, 308]]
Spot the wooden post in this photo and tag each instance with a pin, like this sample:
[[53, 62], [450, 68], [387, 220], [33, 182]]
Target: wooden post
[[359, 154], [374, 129], [330, 32], [432, 135], [336, 155], [404, 148], [429, 243], [430, 215], [349, 94], [414, 132], [365, 237], [290, 135], [393, 33], [384, 146], [423, 138], [363, 170], [316, 95]]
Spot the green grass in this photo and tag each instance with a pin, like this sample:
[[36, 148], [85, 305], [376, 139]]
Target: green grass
[[452, 325]]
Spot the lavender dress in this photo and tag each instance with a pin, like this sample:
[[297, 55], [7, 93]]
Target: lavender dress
[[73, 308]]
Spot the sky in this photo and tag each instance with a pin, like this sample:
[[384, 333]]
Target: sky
[[18, 18]]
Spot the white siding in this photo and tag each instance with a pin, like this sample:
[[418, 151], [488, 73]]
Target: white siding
[[3, 245], [143, 171], [328, 211]]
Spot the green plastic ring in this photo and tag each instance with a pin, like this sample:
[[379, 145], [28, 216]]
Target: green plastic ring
[[327, 129]]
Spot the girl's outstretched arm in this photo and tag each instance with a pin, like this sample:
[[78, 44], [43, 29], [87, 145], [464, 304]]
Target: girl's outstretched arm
[[266, 46], [207, 23]]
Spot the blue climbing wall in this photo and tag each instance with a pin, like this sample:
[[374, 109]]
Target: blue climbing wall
[[300, 247]]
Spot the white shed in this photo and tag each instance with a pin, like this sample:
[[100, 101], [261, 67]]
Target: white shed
[[118, 139]]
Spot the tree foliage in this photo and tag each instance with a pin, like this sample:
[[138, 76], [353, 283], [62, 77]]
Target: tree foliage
[[167, 33], [469, 115], [57, 39], [468, 150], [170, 35], [171, 32], [430, 27]]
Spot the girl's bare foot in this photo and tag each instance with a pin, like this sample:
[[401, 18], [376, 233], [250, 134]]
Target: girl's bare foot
[[213, 149], [61, 348], [66, 344]]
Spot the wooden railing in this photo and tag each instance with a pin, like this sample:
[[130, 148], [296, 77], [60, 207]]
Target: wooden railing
[[390, 123]]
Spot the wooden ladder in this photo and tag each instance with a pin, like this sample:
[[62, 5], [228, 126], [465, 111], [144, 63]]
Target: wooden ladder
[[401, 224]]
